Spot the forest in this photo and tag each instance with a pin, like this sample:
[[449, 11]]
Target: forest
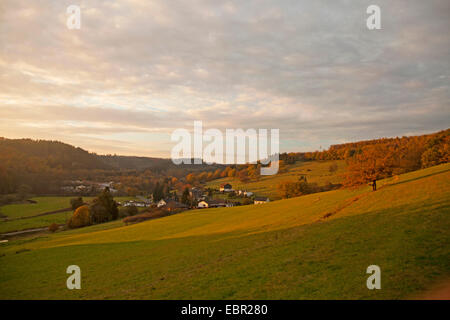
[[42, 167]]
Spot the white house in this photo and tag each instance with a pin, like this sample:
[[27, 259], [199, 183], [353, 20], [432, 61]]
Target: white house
[[161, 203], [211, 204], [202, 204], [248, 193]]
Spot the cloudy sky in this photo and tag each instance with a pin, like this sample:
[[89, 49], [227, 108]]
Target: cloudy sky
[[137, 70]]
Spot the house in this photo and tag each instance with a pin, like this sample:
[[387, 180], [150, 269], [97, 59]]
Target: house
[[202, 204], [174, 205], [195, 193], [161, 203], [145, 200], [171, 205], [226, 187], [141, 204], [244, 193], [261, 200], [211, 204]]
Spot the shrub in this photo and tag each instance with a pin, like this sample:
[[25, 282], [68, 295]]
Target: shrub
[[132, 210], [153, 214], [53, 227], [128, 211], [99, 213], [9, 198], [104, 208], [24, 191], [80, 218], [123, 212]]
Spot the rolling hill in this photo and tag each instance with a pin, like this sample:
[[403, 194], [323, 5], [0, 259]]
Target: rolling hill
[[311, 247], [315, 172]]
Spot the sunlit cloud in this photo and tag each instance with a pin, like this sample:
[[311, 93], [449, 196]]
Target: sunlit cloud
[[136, 70]]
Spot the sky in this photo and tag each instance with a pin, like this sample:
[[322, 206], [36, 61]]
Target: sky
[[138, 70]]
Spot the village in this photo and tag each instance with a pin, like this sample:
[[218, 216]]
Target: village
[[200, 199]]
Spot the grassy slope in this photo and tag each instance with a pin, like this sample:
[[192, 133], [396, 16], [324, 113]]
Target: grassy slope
[[280, 250], [315, 171]]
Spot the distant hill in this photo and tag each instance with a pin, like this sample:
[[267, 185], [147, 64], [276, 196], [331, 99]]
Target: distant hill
[[137, 163], [53, 154], [42, 165], [142, 163]]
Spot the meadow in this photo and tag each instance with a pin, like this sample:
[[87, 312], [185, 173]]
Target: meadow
[[315, 172], [42, 205], [311, 247], [24, 215]]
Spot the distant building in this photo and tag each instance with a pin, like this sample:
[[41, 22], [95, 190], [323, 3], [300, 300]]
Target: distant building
[[261, 200], [140, 204], [144, 199], [226, 187], [172, 205], [211, 204], [161, 203], [196, 193], [244, 193], [202, 204]]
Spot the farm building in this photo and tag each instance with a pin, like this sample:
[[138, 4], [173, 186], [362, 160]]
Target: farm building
[[212, 204]]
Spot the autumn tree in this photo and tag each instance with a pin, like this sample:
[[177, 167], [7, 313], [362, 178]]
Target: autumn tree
[[80, 218], [243, 176]]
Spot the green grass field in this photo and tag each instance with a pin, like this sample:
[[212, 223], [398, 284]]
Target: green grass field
[[44, 204], [281, 250], [35, 222], [315, 172]]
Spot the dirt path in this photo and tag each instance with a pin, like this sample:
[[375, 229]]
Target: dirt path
[[25, 232]]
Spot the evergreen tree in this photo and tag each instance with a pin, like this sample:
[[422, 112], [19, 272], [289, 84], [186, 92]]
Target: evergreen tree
[[186, 198]]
